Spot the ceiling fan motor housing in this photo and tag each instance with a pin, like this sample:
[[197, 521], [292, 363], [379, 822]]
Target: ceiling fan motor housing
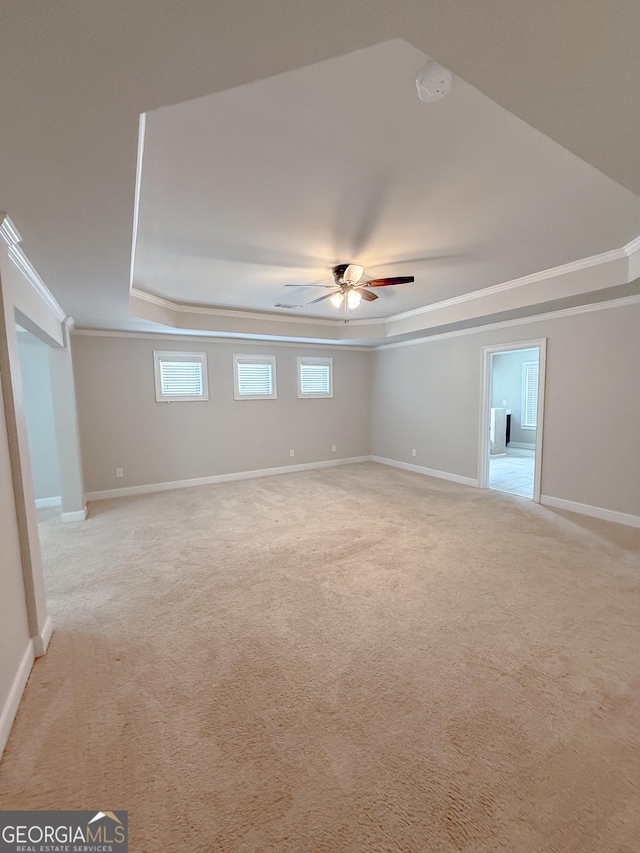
[[348, 273]]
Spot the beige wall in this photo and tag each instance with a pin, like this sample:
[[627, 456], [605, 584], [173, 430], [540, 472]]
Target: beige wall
[[122, 425], [427, 396]]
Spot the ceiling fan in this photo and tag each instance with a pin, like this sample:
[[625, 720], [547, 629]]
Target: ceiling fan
[[347, 288]]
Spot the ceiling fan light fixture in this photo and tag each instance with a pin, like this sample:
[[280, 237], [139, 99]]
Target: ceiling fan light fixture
[[336, 299], [353, 299]]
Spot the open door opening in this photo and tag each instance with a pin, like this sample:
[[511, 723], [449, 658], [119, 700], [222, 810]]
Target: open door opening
[[512, 418], [38, 409]]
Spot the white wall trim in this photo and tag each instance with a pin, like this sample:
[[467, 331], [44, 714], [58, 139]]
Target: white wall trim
[[10, 708], [217, 339], [208, 310], [430, 472], [12, 238], [632, 246], [622, 302], [221, 478], [8, 230], [592, 511], [522, 445], [68, 325], [45, 503], [622, 253], [77, 515], [41, 642], [142, 124]]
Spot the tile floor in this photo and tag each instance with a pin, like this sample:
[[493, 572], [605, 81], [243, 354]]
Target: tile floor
[[513, 473]]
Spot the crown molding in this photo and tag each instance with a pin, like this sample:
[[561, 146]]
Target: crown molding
[[186, 308], [8, 231], [553, 272], [518, 321], [632, 247], [217, 339], [12, 238], [623, 253]]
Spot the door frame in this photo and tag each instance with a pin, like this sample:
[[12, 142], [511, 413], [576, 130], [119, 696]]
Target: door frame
[[488, 353]]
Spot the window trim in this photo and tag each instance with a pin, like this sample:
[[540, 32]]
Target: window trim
[[239, 358], [180, 355], [307, 359], [523, 409]]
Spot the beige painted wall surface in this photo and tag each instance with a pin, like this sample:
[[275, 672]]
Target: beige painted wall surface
[[14, 628], [427, 397], [122, 425]]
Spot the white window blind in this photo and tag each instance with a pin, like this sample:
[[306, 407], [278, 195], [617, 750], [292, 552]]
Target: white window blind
[[254, 377], [180, 376], [315, 377], [529, 394]]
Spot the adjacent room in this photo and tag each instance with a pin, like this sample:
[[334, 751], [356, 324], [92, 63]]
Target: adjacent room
[[319, 502], [514, 415]]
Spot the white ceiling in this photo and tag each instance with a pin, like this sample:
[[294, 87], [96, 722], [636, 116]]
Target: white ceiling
[[76, 74], [277, 181]]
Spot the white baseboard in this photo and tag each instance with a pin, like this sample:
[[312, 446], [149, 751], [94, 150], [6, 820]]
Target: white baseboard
[[44, 503], [78, 515], [522, 445], [10, 707], [220, 478], [41, 642], [592, 511], [430, 472]]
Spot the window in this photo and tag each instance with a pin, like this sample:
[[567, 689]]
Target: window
[[254, 377], [529, 395], [180, 376], [315, 377]]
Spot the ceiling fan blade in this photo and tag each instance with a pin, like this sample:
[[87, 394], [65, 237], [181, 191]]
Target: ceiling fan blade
[[366, 294], [308, 285], [325, 296], [384, 282]]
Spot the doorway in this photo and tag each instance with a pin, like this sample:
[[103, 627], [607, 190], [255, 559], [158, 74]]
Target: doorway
[[512, 418], [39, 415]]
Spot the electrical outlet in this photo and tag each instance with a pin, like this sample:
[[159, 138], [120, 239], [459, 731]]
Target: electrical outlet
[[333, 448], [504, 402], [292, 453], [119, 472], [413, 452]]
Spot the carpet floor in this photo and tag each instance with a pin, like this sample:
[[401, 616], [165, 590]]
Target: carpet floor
[[348, 659]]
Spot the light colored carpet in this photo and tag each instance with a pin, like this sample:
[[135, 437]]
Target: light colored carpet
[[349, 659]]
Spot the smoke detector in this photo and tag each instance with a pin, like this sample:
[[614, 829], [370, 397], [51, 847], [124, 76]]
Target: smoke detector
[[433, 82]]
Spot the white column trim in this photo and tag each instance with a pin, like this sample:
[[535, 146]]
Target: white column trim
[[12, 238], [12, 702]]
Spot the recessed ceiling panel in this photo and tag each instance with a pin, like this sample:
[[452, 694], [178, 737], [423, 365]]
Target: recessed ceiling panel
[[275, 182]]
